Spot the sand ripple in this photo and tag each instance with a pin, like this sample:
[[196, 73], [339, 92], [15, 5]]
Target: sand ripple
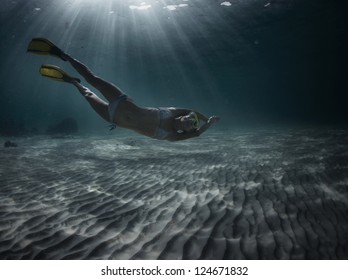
[[260, 195]]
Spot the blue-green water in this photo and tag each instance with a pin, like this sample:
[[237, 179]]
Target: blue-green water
[[251, 61]]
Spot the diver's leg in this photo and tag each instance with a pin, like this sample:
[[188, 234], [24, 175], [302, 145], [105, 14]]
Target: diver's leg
[[99, 105], [108, 90]]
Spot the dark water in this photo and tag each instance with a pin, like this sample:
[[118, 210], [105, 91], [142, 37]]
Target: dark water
[[252, 61]]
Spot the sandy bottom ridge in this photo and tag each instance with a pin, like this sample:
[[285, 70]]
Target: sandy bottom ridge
[[235, 195]]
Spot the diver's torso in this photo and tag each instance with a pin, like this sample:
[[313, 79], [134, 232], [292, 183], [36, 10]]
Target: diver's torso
[[152, 122]]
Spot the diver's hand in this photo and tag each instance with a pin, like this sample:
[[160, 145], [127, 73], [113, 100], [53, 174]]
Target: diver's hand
[[213, 119], [210, 121]]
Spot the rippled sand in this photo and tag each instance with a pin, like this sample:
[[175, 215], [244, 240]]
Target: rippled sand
[[240, 195]]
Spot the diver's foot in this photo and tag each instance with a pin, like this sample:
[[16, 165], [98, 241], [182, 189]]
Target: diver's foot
[[56, 73], [71, 80], [58, 52], [44, 46]]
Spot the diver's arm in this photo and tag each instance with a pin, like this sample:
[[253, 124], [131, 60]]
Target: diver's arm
[[209, 122], [183, 111], [180, 112], [201, 117]]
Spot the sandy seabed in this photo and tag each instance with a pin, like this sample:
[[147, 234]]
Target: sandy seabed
[[236, 195]]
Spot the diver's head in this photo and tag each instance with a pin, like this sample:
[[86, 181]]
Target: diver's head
[[189, 122]]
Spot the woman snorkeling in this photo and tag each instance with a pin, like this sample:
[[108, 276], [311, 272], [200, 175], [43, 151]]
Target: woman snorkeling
[[171, 124]]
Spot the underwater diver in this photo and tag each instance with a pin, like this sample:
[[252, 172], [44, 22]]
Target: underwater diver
[[168, 123]]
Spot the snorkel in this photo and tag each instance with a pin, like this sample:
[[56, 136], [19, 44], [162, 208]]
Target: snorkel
[[188, 122], [193, 116]]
